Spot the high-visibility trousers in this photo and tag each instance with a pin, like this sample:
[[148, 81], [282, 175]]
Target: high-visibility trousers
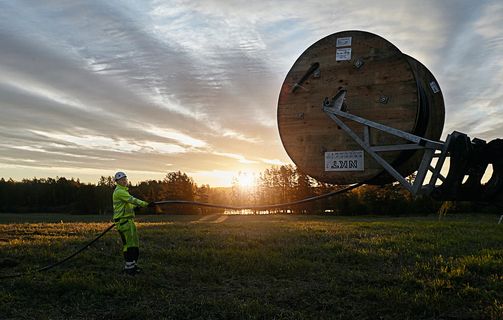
[[127, 231]]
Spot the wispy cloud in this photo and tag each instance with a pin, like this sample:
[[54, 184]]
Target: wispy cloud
[[274, 162], [239, 157], [176, 136], [154, 85]]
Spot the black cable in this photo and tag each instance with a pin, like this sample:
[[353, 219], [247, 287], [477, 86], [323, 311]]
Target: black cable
[[50, 266], [202, 204], [263, 207]]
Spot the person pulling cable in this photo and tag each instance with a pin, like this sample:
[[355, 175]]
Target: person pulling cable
[[124, 205]]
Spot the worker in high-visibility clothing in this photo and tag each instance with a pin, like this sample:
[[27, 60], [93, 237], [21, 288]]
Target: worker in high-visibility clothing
[[124, 205]]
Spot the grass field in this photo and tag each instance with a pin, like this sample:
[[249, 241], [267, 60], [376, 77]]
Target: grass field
[[248, 267]]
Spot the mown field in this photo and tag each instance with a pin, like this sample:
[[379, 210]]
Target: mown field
[[257, 267]]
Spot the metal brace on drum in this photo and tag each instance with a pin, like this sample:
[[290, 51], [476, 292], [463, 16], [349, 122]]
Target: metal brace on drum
[[470, 158]]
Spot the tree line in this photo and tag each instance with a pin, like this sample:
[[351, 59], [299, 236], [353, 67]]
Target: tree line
[[278, 184]]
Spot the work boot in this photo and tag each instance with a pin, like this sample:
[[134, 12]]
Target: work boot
[[132, 271]]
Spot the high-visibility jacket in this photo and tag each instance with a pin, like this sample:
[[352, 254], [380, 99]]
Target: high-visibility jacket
[[124, 203]]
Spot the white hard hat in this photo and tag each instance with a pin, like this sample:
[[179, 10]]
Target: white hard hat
[[119, 175]]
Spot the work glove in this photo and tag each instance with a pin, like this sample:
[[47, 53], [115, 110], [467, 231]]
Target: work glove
[[151, 204]]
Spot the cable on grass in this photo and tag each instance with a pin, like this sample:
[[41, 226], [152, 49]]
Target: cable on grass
[[183, 202]]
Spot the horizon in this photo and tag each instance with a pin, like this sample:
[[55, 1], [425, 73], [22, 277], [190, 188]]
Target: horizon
[[243, 180]]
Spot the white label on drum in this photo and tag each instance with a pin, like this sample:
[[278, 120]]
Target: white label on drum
[[343, 54], [434, 87], [343, 42], [344, 161]]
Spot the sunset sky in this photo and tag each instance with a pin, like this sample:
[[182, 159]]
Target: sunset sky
[[91, 87]]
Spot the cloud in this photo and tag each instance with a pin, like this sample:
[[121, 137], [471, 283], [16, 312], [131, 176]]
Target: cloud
[[239, 157], [193, 86], [274, 162], [177, 136]]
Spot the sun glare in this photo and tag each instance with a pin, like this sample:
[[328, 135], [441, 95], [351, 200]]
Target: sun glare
[[246, 179]]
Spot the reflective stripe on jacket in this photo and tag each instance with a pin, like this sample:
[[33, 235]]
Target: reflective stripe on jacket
[[124, 203]]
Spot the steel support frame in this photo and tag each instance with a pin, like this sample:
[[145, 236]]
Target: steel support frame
[[333, 110]]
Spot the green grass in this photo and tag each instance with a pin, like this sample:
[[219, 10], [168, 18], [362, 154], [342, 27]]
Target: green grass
[[265, 267]]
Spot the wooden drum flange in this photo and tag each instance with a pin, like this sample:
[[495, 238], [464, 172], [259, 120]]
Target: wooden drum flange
[[382, 84]]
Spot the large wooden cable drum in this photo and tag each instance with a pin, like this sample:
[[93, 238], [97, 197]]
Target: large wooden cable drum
[[382, 85]]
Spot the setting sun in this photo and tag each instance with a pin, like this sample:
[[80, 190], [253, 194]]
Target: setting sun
[[246, 179]]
